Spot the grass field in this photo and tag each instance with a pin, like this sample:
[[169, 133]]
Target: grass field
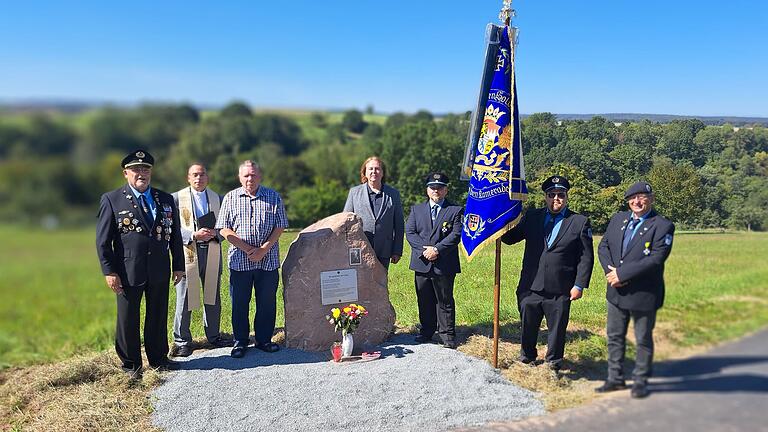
[[54, 303], [57, 314]]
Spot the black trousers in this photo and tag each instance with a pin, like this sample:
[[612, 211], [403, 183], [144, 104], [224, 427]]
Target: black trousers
[[127, 333], [437, 309], [535, 305], [617, 324]]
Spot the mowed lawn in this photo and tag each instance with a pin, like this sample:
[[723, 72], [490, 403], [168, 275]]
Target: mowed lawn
[[54, 302]]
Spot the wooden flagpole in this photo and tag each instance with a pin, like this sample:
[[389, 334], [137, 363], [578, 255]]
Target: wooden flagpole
[[496, 299]]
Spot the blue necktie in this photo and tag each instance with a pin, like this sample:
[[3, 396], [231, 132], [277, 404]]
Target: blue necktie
[[549, 228], [147, 211], [434, 212], [628, 232]]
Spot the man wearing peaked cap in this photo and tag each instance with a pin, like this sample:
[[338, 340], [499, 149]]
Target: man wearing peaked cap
[[137, 227], [557, 266], [632, 253], [433, 230]]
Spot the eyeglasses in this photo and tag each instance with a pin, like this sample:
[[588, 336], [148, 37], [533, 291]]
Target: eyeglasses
[[139, 169], [552, 195]]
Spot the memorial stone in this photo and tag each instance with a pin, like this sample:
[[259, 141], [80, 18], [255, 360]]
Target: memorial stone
[[331, 264]]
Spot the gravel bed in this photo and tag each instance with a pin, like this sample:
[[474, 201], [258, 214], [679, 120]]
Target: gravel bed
[[411, 387]]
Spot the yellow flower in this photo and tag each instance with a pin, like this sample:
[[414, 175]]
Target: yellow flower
[[352, 305], [347, 309], [362, 309], [336, 312]]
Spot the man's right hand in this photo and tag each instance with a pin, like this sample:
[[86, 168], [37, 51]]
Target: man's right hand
[[114, 282], [204, 234]]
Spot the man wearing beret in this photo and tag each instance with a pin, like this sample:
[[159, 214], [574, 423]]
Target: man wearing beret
[[137, 228], [557, 265], [433, 230], [632, 252]]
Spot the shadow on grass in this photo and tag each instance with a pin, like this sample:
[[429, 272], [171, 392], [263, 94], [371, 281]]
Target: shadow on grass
[[579, 344]]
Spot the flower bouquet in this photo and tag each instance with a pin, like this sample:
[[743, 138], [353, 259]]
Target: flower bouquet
[[346, 319]]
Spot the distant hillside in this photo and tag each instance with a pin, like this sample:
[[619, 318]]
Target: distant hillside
[[666, 118], [75, 106]]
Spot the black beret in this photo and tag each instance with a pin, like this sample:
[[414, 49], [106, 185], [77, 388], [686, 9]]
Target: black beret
[[437, 178], [138, 157], [640, 187], [555, 182]]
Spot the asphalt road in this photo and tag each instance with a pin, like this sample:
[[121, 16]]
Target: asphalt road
[[723, 390]]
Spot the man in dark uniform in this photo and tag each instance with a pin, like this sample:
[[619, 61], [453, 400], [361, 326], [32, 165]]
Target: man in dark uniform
[[557, 265], [632, 252], [434, 230], [137, 226]]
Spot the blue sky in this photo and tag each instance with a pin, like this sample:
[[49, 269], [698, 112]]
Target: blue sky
[[662, 57]]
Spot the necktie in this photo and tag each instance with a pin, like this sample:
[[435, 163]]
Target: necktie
[[548, 229], [147, 211], [434, 212], [628, 232]]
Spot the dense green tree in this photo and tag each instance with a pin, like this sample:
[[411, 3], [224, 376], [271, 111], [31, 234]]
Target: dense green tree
[[590, 157], [678, 142], [677, 190], [308, 204], [353, 121], [236, 109]]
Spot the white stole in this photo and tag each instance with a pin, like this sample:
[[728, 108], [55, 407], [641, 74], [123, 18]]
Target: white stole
[[189, 222]]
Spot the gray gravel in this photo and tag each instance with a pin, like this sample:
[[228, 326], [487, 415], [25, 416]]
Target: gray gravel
[[411, 387]]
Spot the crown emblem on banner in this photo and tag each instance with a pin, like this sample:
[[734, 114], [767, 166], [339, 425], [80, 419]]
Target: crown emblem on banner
[[493, 113]]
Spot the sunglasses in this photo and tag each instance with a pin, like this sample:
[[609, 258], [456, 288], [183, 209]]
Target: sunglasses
[[552, 195]]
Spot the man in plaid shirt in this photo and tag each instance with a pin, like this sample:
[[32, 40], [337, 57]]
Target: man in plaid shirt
[[252, 218]]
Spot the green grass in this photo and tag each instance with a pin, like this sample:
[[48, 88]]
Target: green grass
[[54, 302]]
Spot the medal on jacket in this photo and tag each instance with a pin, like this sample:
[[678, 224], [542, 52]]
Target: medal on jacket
[[647, 250]]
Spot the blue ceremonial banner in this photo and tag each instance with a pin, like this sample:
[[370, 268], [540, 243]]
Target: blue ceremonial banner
[[497, 178]]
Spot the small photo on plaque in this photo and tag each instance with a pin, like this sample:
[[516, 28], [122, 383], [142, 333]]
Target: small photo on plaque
[[355, 257]]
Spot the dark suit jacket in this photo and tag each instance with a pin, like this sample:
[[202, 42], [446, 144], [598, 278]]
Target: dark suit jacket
[[137, 255], [385, 227], [444, 234], [642, 271], [555, 269]]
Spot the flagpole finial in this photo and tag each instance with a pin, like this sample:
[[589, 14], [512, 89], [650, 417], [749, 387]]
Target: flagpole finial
[[507, 13]]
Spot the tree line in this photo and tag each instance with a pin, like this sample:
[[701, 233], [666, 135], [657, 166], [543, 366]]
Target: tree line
[[54, 164]]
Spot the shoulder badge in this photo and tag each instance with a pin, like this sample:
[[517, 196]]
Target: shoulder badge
[[668, 239]]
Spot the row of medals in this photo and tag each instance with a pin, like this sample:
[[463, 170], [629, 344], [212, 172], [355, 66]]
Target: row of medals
[[131, 224]]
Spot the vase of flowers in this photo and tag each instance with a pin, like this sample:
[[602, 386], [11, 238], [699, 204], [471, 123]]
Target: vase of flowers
[[346, 320]]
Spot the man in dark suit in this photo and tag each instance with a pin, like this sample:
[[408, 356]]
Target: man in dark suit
[[137, 226], [557, 265], [434, 230], [632, 252]]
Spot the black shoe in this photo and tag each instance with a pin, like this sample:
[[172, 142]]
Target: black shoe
[[554, 366], [639, 390], [449, 344], [183, 351], [269, 347], [238, 351], [525, 360], [134, 374], [610, 386], [222, 343], [166, 366], [422, 339]]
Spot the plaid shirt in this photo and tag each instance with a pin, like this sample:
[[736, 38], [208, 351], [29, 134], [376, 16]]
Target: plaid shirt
[[253, 219]]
